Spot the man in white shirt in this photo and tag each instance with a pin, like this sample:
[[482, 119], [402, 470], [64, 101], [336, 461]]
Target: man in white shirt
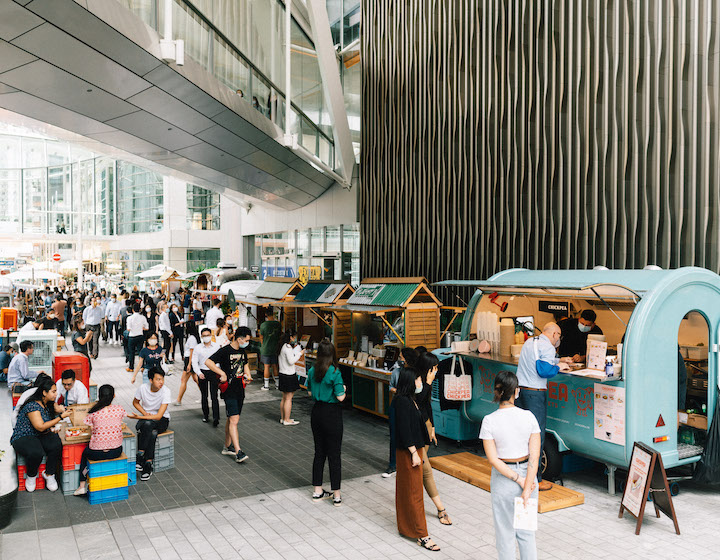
[[19, 369], [31, 326], [112, 315], [207, 380], [151, 400], [93, 315], [213, 314], [136, 326], [70, 391]]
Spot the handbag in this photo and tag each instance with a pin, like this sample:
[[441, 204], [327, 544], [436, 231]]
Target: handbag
[[457, 387], [544, 369]]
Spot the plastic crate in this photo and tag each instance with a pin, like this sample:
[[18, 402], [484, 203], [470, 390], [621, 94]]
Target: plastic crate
[[165, 440], [105, 496], [21, 460], [110, 466], [8, 319], [39, 481], [70, 481], [71, 455], [129, 447], [132, 474], [109, 482], [75, 361], [93, 392], [164, 463]]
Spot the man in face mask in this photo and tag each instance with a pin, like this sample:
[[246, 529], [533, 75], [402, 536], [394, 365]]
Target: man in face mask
[[207, 380], [533, 388], [575, 334]]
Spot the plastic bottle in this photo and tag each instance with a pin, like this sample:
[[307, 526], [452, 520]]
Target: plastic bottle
[[609, 368]]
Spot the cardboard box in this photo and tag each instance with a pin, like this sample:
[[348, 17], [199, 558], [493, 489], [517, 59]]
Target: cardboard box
[[698, 421]]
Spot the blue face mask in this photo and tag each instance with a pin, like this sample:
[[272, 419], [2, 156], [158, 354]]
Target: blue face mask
[[584, 328], [244, 344]]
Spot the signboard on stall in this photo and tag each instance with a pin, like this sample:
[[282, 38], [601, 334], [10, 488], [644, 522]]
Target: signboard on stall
[[307, 273]]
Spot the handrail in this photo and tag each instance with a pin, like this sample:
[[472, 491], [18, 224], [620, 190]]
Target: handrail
[[253, 67]]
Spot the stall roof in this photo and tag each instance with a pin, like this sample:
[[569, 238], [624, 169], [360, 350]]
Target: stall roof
[[278, 288], [311, 292], [364, 308], [324, 292], [391, 292]]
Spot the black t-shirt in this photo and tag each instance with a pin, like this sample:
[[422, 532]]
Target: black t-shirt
[[232, 362], [151, 357], [49, 324], [573, 341]]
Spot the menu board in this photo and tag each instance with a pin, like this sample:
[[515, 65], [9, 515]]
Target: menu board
[[609, 412], [596, 354], [634, 495]]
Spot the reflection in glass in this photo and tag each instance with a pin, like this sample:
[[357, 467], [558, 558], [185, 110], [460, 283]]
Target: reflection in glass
[[10, 202], [203, 208]]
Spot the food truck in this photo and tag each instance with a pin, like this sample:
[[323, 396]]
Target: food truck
[[646, 316]]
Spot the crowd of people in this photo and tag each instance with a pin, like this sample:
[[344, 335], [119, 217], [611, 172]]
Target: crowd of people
[[153, 327]]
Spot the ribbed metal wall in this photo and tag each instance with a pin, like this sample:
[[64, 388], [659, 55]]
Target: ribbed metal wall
[[538, 133]]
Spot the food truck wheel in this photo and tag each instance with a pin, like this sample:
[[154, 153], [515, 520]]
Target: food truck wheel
[[551, 460], [674, 488]]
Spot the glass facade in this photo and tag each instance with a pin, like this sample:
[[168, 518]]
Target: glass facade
[[140, 199], [203, 208], [200, 259], [50, 187], [331, 250]]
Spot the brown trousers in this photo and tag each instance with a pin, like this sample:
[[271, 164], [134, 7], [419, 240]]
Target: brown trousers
[[409, 504], [428, 478]]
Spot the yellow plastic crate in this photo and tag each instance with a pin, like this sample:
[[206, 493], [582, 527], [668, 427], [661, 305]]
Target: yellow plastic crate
[[107, 482]]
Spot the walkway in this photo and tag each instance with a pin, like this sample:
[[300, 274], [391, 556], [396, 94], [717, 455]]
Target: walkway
[[211, 508]]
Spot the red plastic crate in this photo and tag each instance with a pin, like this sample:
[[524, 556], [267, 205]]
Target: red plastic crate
[[39, 481], [8, 319], [74, 361], [71, 455]]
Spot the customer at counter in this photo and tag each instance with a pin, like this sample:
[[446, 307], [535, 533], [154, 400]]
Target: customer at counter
[[575, 333], [533, 388]]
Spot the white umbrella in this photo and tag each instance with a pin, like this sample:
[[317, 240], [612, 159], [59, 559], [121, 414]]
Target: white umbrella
[[156, 271], [29, 274], [69, 265]]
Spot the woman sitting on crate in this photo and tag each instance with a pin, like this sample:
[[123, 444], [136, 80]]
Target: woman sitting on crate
[[106, 439], [32, 438]]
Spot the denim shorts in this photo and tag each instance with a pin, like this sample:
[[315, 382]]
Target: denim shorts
[[233, 407], [269, 360]]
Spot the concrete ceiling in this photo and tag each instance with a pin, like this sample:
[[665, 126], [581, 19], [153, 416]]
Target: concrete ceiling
[[93, 68]]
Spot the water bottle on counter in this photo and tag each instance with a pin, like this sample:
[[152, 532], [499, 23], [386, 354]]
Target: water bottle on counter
[[609, 367]]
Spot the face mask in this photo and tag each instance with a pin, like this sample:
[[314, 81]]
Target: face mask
[[557, 343], [152, 341], [174, 309], [147, 309], [206, 339], [244, 344], [584, 328], [418, 390]]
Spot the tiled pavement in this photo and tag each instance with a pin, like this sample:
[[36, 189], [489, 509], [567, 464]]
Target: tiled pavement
[[209, 507]]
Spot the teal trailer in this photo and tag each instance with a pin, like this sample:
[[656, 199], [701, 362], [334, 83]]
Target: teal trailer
[[649, 311]]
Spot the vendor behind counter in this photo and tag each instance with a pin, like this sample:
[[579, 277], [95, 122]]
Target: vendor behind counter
[[575, 333]]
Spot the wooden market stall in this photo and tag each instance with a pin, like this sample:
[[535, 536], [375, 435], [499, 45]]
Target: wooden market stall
[[170, 281], [385, 313], [272, 291]]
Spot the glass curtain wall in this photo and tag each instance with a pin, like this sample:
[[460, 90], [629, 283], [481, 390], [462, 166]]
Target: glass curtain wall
[[200, 259], [203, 208], [140, 199]]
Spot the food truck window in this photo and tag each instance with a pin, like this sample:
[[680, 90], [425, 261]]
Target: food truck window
[[693, 339]]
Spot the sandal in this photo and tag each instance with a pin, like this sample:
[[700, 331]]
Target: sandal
[[443, 517], [427, 543]]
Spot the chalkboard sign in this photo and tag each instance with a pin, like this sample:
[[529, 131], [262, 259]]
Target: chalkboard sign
[[647, 475]]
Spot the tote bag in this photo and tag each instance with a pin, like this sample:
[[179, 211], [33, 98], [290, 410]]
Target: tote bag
[[458, 387]]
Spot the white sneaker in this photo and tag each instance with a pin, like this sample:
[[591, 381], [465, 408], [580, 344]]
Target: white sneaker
[[30, 483], [50, 482]]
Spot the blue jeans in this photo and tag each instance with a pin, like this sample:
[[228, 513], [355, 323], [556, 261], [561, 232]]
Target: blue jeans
[[535, 402], [503, 492], [391, 423]]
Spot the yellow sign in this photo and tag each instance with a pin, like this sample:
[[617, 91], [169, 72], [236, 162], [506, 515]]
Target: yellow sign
[[307, 273]]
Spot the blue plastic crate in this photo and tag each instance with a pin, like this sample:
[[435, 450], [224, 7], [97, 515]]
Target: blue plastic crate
[[70, 481], [105, 496], [132, 474], [109, 467]]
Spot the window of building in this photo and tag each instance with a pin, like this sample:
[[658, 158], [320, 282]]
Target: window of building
[[140, 199], [203, 208], [200, 259], [143, 260]]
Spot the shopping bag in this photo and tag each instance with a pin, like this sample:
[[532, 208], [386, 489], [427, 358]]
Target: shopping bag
[[458, 387]]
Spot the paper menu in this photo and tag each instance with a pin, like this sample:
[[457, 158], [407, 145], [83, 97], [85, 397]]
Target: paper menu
[[525, 518], [609, 413], [596, 354]]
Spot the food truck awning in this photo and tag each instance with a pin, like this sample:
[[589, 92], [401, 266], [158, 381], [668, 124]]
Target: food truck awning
[[614, 285]]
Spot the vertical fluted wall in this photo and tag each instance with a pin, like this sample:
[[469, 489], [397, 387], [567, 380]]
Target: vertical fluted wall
[[539, 133]]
